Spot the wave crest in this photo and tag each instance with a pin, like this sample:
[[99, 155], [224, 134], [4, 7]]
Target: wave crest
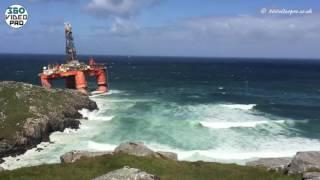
[[226, 125]]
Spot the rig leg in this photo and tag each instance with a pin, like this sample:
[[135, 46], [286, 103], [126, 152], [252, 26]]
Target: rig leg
[[45, 82], [101, 81], [81, 82]]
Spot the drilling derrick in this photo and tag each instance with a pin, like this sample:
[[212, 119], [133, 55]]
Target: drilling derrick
[[74, 72], [70, 49]]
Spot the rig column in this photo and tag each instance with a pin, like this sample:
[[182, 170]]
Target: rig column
[[45, 81], [81, 82], [101, 80]]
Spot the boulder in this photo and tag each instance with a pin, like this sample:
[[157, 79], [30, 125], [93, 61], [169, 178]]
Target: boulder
[[139, 149], [73, 156], [311, 176], [127, 174], [276, 164], [1, 169], [134, 148], [304, 161], [168, 155]]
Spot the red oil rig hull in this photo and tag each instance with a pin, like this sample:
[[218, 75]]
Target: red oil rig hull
[[75, 72], [77, 79]]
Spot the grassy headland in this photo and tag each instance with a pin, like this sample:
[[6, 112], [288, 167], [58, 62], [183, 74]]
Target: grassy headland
[[88, 168]]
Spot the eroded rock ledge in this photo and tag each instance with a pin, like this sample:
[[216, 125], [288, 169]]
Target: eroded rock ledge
[[131, 148], [306, 163], [29, 113]]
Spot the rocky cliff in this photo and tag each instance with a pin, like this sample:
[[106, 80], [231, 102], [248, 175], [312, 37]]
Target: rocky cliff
[[29, 113]]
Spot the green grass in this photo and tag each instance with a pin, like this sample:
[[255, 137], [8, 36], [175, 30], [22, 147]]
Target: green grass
[[16, 100], [89, 168], [15, 112]]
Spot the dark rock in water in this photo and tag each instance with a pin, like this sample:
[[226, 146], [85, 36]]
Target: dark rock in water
[[304, 161], [276, 164], [139, 149], [73, 156], [311, 176], [127, 173], [39, 149], [29, 113]]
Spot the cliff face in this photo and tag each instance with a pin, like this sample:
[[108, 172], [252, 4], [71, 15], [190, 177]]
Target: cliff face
[[29, 113]]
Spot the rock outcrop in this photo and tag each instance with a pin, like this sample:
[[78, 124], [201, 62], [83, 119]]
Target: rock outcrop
[[29, 113], [276, 164], [73, 156], [127, 174], [139, 149], [168, 155], [134, 148], [311, 176], [131, 148], [304, 161]]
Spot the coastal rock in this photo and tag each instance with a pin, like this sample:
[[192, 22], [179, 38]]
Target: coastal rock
[[134, 148], [29, 113], [127, 174], [311, 176], [276, 164], [73, 156], [304, 161], [139, 149], [168, 155]]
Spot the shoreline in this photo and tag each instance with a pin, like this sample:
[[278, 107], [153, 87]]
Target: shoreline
[[42, 112], [271, 164], [242, 162], [140, 152]]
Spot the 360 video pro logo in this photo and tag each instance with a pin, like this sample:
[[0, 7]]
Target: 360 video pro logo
[[16, 16]]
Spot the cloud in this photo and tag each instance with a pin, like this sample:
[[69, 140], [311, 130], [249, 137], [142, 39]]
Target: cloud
[[123, 27], [119, 27], [250, 26], [238, 36], [117, 8]]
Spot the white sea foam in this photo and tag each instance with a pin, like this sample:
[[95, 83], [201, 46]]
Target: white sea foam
[[224, 125], [94, 115], [114, 91], [94, 146], [239, 106], [229, 145], [110, 92], [282, 147]]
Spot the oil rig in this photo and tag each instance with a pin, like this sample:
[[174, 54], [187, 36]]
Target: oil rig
[[75, 72]]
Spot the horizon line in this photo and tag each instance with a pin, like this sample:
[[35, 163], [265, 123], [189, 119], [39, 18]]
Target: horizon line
[[164, 56]]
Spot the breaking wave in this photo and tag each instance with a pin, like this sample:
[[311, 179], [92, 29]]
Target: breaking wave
[[94, 146], [210, 132], [224, 125], [239, 106]]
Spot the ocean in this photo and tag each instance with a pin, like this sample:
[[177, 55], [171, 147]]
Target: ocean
[[227, 110]]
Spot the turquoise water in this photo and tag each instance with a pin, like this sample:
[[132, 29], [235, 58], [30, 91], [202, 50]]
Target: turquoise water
[[225, 110]]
